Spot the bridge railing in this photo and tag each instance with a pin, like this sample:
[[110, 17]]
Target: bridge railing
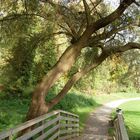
[[120, 129], [60, 125]]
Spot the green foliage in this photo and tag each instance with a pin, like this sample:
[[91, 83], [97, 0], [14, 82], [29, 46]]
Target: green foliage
[[12, 112], [19, 66], [24, 38], [73, 100], [44, 60]]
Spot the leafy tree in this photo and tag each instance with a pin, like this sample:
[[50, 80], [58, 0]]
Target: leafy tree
[[131, 77], [85, 25]]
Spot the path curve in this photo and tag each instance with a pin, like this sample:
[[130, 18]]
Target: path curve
[[98, 123]]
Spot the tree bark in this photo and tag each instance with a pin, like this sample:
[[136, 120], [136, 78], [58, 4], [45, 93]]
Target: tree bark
[[38, 104], [74, 79]]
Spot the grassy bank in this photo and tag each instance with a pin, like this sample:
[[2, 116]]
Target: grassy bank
[[13, 111], [131, 112]]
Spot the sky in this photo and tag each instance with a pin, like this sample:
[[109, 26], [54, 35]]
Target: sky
[[113, 3]]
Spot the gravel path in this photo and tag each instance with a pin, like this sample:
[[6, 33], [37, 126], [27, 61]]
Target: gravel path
[[98, 123]]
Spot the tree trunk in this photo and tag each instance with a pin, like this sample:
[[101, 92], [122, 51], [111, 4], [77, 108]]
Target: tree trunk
[[38, 104], [74, 79]]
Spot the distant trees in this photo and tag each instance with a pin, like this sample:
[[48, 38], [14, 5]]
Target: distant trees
[[88, 28], [131, 78]]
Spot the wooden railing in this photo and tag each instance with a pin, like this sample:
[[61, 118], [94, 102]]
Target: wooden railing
[[120, 129], [60, 125]]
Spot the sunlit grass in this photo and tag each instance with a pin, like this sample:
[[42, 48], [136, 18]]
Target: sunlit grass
[[12, 112], [103, 98], [83, 114], [131, 111]]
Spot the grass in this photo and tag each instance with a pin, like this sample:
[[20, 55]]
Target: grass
[[103, 98], [131, 111], [12, 111], [83, 114]]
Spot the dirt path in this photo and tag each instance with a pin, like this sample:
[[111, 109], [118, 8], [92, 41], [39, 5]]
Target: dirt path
[[98, 123]]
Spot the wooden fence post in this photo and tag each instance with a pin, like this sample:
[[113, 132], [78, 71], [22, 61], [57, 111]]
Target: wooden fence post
[[121, 132], [59, 123]]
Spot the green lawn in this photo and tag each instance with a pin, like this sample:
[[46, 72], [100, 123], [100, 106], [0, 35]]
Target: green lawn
[[131, 111]]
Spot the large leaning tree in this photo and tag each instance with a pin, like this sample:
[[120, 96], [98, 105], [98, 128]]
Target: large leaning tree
[[85, 24]]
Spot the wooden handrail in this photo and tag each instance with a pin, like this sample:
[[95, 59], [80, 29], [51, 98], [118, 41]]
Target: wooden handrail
[[120, 129], [49, 126]]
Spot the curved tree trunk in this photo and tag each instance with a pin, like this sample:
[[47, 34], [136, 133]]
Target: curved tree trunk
[[38, 104], [74, 79]]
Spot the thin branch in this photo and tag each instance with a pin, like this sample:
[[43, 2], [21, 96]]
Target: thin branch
[[106, 20], [95, 5], [138, 4], [66, 19], [67, 30], [123, 37], [82, 27], [120, 49], [87, 12], [106, 35], [17, 16], [111, 38], [62, 32]]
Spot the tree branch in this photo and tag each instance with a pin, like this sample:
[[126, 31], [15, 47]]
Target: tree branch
[[106, 35], [66, 19], [17, 16], [74, 79], [87, 12], [120, 49], [90, 67], [138, 4], [106, 20]]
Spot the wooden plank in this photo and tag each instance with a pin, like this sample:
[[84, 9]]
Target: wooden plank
[[26, 124], [69, 125], [49, 132], [59, 122], [69, 119], [68, 131], [65, 112], [124, 135], [38, 129], [54, 136], [67, 137], [117, 131]]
